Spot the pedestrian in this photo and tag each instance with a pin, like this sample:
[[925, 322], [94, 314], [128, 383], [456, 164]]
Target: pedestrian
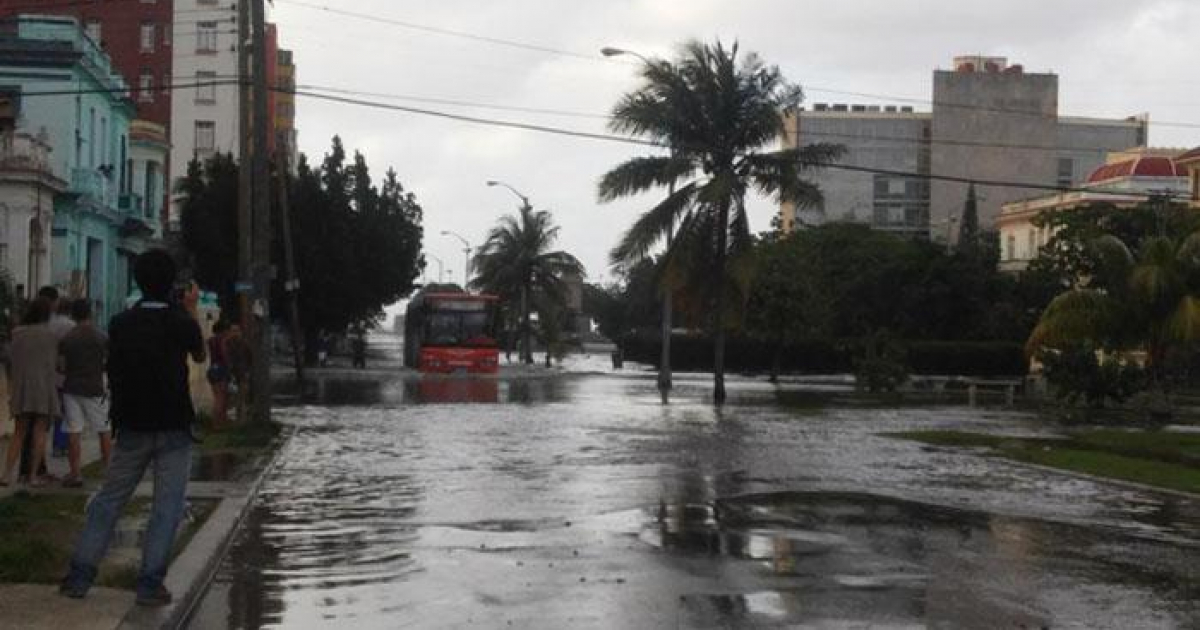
[[218, 373], [33, 395], [61, 323], [358, 351], [85, 404], [151, 411], [238, 356]]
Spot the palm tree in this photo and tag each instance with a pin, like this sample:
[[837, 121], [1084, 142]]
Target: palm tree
[[715, 112], [1148, 302], [516, 262]]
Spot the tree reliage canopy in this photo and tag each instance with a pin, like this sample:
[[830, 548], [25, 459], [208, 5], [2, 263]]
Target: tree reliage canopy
[[357, 245]]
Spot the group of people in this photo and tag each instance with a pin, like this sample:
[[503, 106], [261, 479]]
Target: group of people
[[145, 358], [56, 374], [229, 357]]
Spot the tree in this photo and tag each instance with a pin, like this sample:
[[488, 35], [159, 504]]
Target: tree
[[968, 230], [715, 111], [357, 246], [788, 302], [516, 261], [1146, 298]]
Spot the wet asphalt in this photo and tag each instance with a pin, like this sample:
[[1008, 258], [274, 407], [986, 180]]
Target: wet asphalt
[[581, 501]]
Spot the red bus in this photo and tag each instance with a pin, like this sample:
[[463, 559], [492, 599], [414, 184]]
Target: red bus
[[447, 332]]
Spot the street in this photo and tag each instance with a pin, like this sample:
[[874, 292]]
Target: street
[[580, 501]]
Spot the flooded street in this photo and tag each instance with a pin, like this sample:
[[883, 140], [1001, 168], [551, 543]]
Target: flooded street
[[580, 501]]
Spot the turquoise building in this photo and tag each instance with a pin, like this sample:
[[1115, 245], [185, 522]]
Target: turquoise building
[[57, 85]]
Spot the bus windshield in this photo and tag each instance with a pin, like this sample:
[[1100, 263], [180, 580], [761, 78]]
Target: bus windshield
[[458, 328]]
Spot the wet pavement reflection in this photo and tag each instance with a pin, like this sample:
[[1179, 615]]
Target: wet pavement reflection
[[580, 501]]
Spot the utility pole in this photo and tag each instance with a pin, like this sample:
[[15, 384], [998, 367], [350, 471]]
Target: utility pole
[[245, 214], [291, 284], [260, 378]]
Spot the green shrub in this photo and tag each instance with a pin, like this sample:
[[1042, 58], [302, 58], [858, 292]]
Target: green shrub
[[1079, 373]]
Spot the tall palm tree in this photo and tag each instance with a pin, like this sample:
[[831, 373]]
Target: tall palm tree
[[715, 111], [516, 262], [1149, 301]]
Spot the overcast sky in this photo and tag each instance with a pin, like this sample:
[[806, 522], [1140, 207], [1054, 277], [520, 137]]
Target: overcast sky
[[1113, 57]]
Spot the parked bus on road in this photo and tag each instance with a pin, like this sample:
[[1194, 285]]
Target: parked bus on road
[[447, 332]]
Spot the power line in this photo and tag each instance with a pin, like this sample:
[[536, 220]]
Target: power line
[[445, 31], [650, 143]]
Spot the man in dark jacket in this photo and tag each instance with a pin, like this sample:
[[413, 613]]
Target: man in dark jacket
[[151, 412]]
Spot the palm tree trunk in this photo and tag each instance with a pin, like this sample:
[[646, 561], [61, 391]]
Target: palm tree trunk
[[526, 353], [664, 361], [719, 310]]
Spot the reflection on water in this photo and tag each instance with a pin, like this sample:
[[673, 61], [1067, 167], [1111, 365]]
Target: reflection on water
[[583, 502]]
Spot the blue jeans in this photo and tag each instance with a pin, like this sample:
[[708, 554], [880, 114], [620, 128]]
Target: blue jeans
[[170, 453]]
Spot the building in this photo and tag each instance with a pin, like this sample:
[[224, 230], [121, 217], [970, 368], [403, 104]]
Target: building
[[1125, 181], [138, 39], [67, 133], [205, 118], [989, 121], [1190, 163], [286, 137]]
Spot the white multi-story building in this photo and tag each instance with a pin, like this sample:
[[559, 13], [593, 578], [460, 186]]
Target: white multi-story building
[[204, 119]]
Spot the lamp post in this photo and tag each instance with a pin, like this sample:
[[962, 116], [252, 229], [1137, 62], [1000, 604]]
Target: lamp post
[[526, 351], [440, 265], [523, 198], [466, 255], [664, 362]]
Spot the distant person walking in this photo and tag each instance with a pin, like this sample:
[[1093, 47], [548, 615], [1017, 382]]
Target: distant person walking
[[152, 414], [85, 402], [33, 392], [219, 374], [61, 323], [358, 351]]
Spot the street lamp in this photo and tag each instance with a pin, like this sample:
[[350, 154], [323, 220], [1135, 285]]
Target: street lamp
[[440, 266], [466, 255], [524, 199], [609, 51]]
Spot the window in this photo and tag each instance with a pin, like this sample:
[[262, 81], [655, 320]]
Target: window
[[146, 39], [206, 136], [206, 37], [94, 30], [166, 83], [1033, 245], [1066, 172], [146, 87], [1010, 249], [206, 90]]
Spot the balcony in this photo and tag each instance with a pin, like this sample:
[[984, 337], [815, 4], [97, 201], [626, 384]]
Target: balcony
[[91, 182], [131, 204], [22, 151]]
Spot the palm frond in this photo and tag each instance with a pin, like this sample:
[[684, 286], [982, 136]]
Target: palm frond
[[1184, 323], [652, 226], [1077, 315], [641, 174]]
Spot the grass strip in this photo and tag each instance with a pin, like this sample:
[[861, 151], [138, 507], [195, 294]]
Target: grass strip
[[1162, 459]]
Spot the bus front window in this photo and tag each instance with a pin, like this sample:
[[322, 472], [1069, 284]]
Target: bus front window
[[443, 329]]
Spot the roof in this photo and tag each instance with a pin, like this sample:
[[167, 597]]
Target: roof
[[1189, 157], [1137, 167]]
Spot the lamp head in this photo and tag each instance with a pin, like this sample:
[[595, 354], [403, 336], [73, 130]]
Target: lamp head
[[609, 51]]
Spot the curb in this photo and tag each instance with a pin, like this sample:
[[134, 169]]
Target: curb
[[196, 566], [1130, 485]]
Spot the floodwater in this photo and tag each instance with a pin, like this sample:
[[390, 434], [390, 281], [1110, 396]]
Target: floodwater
[[581, 501]]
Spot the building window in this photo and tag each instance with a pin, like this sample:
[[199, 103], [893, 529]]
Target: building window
[[1033, 245], [146, 39], [1066, 172], [1010, 249], [206, 89], [166, 35], [166, 83], [94, 30], [206, 37], [146, 87], [206, 136]]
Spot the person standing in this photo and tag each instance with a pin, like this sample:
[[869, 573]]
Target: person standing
[[61, 323], [33, 391], [83, 352], [218, 373], [152, 414]]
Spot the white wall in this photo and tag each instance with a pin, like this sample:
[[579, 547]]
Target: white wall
[[186, 107]]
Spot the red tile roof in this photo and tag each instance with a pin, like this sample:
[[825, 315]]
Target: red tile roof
[[1137, 167], [1190, 156]]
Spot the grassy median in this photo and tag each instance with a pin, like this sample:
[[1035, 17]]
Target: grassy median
[[1164, 459]]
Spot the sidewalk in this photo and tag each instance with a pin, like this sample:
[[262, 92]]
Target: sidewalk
[[39, 606]]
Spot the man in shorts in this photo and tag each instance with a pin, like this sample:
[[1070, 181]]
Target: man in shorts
[[82, 353]]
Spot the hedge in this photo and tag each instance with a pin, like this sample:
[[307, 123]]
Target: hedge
[[830, 356]]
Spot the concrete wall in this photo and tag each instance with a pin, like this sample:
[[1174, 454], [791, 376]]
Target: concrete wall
[[973, 112], [882, 140], [190, 105]]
